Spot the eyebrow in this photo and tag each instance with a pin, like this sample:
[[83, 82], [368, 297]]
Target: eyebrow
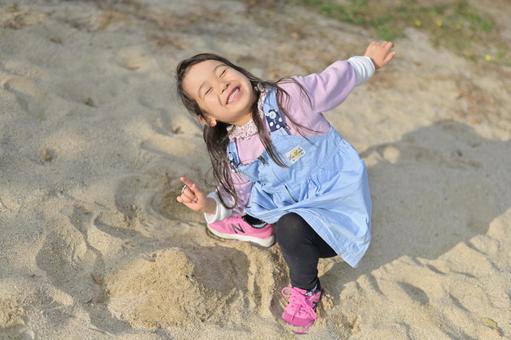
[[214, 70]]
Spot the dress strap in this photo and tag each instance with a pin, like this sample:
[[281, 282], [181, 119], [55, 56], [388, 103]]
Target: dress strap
[[232, 153], [274, 117]]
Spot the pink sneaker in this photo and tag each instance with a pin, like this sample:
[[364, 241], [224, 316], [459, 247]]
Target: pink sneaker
[[301, 308], [235, 227]]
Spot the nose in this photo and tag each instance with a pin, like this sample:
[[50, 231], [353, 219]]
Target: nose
[[224, 86]]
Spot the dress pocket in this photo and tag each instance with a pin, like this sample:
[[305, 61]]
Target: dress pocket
[[323, 178]]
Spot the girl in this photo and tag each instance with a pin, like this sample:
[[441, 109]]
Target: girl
[[284, 172]]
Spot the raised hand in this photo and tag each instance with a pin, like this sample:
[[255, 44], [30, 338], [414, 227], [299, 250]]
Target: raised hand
[[380, 53]]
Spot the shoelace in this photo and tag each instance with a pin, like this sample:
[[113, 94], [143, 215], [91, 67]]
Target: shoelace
[[298, 301]]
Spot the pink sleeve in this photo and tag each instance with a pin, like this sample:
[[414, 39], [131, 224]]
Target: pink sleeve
[[243, 186], [330, 87]]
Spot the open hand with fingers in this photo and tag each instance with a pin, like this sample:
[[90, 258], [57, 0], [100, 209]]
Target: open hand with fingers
[[194, 198], [380, 53]]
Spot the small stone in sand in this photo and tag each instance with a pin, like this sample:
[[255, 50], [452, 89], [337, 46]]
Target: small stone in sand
[[46, 155], [89, 102]]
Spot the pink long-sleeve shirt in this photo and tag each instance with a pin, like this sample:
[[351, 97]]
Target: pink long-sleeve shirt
[[326, 91]]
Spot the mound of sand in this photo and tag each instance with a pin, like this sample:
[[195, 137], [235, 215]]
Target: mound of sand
[[175, 287]]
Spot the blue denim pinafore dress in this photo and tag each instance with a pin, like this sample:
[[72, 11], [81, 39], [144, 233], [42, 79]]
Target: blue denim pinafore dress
[[325, 183]]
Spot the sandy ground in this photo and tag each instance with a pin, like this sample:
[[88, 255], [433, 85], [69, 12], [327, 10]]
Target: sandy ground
[[93, 244]]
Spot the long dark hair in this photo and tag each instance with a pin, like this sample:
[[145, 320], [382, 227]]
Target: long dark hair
[[217, 137]]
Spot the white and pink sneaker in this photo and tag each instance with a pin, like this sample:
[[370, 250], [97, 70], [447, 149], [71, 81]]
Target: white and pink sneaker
[[234, 227]]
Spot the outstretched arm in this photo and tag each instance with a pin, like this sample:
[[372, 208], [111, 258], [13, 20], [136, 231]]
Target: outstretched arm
[[330, 87]]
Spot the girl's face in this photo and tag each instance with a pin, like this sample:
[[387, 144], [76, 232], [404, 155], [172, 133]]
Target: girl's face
[[223, 93]]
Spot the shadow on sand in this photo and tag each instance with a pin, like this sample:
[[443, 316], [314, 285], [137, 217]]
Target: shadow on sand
[[438, 186]]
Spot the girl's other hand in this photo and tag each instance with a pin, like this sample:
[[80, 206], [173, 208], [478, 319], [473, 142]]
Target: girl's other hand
[[380, 53], [192, 196]]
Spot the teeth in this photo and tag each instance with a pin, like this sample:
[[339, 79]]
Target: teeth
[[235, 93]]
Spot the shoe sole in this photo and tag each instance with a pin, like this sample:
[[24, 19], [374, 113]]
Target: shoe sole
[[299, 330], [266, 242]]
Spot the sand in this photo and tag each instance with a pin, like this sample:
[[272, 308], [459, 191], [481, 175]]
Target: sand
[[93, 244]]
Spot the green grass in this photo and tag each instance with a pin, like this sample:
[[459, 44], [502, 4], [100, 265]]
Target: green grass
[[454, 25]]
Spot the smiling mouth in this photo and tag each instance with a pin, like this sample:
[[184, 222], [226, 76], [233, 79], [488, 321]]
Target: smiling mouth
[[233, 96]]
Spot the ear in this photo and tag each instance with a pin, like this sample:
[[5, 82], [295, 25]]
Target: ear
[[201, 120], [208, 120]]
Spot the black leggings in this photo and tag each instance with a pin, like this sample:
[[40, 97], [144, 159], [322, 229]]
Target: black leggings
[[302, 247]]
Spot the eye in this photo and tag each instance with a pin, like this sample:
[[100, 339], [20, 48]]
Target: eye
[[209, 90], [221, 74]]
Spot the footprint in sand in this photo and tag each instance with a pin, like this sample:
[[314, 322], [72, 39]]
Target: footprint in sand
[[74, 265], [135, 58], [143, 201], [29, 96], [164, 202]]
